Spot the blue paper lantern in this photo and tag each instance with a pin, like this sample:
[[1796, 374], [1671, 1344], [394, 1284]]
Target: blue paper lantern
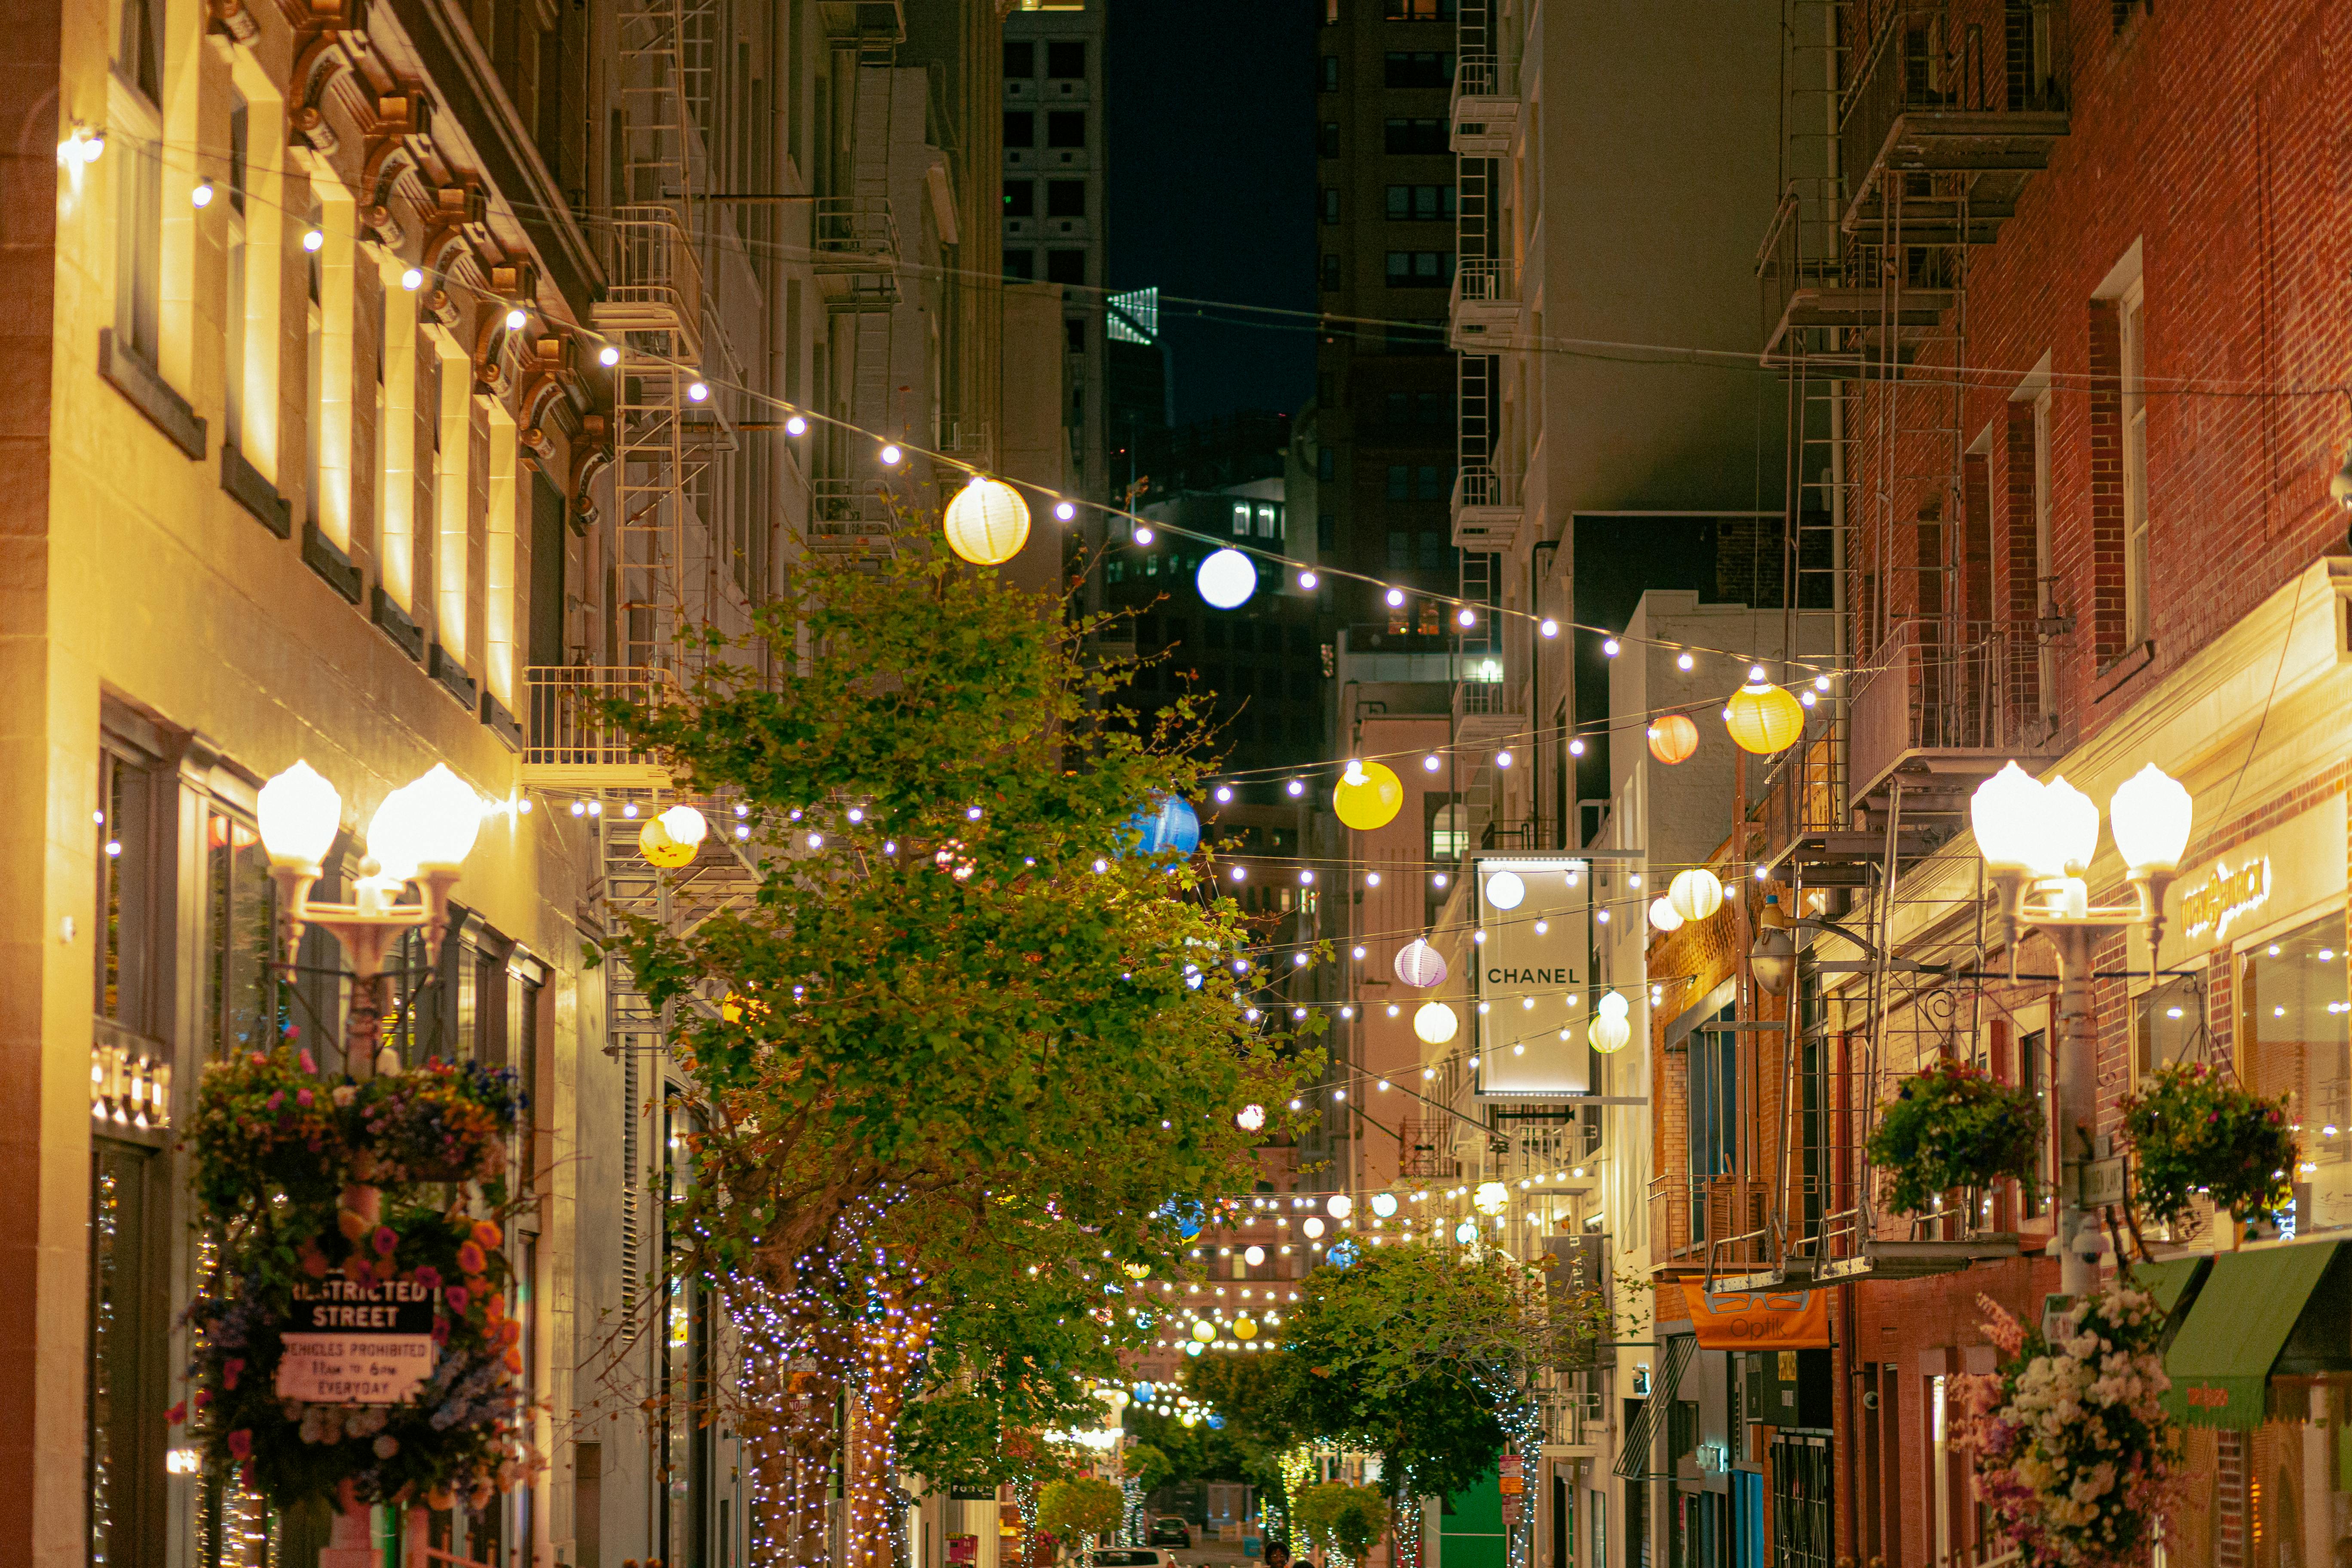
[[1216, 1423], [1171, 829], [1143, 1392], [1188, 1217], [1343, 1255]]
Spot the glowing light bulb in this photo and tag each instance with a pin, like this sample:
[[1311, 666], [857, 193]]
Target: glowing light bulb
[[1396, 597], [1307, 580], [313, 240], [1064, 512], [1549, 627], [697, 392], [203, 194], [608, 356], [890, 454]]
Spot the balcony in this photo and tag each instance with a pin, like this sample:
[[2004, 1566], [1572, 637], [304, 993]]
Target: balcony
[[1932, 712], [1883, 321], [875, 27], [970, 441], [573, 746], [1715, 1221], [1485, 106], [656, 278], [1926, 102], [1482, 314], [1486, 510], [854, 252], [847, 520]]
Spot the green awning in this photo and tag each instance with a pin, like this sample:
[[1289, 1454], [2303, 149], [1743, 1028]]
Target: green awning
[[2169, 1280], [2220, 1359]]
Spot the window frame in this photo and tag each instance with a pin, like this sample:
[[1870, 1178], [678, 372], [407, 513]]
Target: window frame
[[2131, 341]]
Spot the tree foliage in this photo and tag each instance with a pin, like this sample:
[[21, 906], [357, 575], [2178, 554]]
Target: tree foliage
[[1414, 1353], [1337, 1517], [1081, 1505], [962, 1049]]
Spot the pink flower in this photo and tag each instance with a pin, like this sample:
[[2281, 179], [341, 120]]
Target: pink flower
[[428, 1276], [458, 1298], [203, 1397], [229, 1370], [276, 1099], [308, 1065], [240, 1444], [177, 1413], [385, 1240], [302, 1097], [360, 1272]]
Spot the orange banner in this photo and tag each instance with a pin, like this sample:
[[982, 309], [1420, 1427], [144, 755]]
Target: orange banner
[[1749, 1320]]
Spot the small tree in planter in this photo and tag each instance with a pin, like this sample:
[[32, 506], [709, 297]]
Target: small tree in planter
[[1953, 1126], [1339, 1518], [2198, 1132], [1080, 1507]]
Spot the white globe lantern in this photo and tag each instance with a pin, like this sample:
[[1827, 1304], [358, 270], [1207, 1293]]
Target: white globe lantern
[[987, 522], [301, 813], [1662, 916], [1466, 1232], [1610, 1033], [1435, 1023], [683, 825], [1695, 894], [1226, 579], [1250, 1118], [1253, 1256], [1384, 1204], [2150, 816], [1612, 1005], [1313, 1225], [1340, 1207], [1492, 1197], [1505, 890]]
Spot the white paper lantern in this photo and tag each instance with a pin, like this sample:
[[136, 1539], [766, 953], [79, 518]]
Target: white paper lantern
[[1253, 1256], [1418, 965], [1612, 1005], [1663, 915], [987, 522], [1505, 890], [1250, 1118], [1226, 579], [1340, 1205], [1313, 1225], [1492, 1197], [1610, 1033], [1695, 894], [683, 825], [1435, 1023], [1384, 1204]]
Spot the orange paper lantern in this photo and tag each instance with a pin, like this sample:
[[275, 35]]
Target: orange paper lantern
[[1672, 739]]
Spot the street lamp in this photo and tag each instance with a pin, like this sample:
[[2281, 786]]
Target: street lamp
[[2037, 841], [422, 833]]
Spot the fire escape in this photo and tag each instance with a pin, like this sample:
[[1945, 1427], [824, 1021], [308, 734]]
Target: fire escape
[[1910, 134]]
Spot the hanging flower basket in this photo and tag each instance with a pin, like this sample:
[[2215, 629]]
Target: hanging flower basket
[[357, 1331], [2075, 1456], [2198, 1133], [1953, 1126]]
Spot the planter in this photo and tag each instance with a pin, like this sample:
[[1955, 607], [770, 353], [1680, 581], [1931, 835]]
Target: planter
[[2197, 1132], [1953, 1126]]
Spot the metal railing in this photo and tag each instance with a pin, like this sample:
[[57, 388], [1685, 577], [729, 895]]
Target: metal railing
[[1486, 280], [656, 277], [1921, 57], [846, 516], [1477, 485], [1932, 685], [568, 728], [1484, 77], [1571, 1417], [854, 232], [1721, 1218]]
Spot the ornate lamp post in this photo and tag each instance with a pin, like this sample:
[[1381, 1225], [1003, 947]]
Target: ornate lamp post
[[422, 833], [2037, 841]]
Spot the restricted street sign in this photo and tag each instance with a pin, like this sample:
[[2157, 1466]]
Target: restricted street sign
[[357, 1344]]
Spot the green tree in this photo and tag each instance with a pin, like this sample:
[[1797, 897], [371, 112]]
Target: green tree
[[961, 1050], [1081, 1505], [1336, 1517], [1146, 1465], [1418, 1354]]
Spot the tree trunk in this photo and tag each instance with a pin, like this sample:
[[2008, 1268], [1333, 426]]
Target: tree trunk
[[890, 1349]]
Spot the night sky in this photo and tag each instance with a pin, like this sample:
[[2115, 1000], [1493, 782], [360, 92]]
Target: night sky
[[1211, 133]]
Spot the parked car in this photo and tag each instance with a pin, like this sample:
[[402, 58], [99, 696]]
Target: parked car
[[1132, 1557], [1170, 1530]]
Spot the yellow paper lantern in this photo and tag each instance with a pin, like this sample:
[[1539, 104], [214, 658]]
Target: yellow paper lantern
[[1764, 718], [1672, 739], [987, 522], [1694, 894], [1368, 796], [1244, 1329], [656, 843]]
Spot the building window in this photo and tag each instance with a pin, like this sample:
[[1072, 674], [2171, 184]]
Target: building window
[[1399, 481], [2033, 1077], [1436, 551], [139, 169], [1429, 482], [2045, 569], [1323, 532], [1021, 265], [1269, 521], [1399, 407], [1327, 462], [1074, 330], [2294, 1032], [1420, 268], [1065, 267], [1020, 127], [1400, 550], [1020, 198], [1330, 73], [1449, 828], [1331, 274], [1020, 59], [1066, 198], [1065, 58], [1420, 67], [234, 301], [1421, 203], [1326, 139], [2132, 317], [1330, 203], [1419, 10], [1066, 128], [1413, 136], [2166, 1023]]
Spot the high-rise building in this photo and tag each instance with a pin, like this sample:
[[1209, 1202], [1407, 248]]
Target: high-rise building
[[1056, 155], [1384, 438]]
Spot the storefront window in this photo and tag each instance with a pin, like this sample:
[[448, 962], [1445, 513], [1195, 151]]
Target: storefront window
[[2168, 1023], [2294, 1036]]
